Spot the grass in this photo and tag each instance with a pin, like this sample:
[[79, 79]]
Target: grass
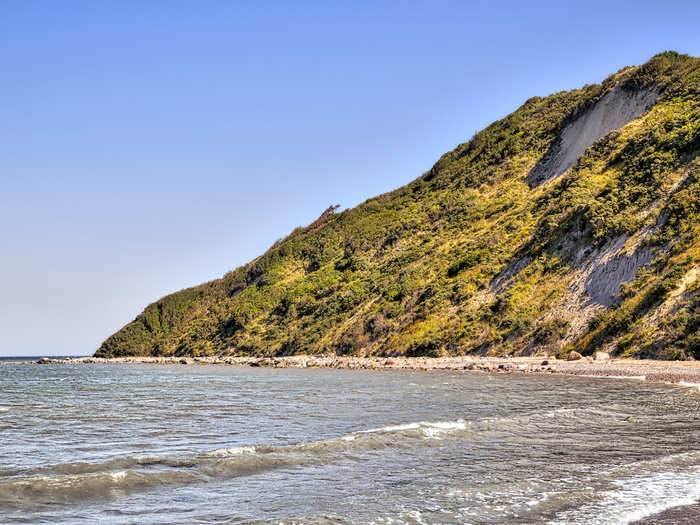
[[413, 271]]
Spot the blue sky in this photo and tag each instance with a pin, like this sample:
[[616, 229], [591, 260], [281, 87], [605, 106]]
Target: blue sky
[[150, 146]]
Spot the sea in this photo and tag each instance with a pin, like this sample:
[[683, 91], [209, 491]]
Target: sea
[[166, 444]]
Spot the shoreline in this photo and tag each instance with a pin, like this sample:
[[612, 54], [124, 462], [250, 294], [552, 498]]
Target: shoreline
[[682, 373], [672, 516]]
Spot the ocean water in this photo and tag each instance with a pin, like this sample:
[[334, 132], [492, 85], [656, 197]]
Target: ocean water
[[153, 444]]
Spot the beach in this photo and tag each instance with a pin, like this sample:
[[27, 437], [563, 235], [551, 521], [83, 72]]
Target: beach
[[364, 440], [683, 373], [684, 514]]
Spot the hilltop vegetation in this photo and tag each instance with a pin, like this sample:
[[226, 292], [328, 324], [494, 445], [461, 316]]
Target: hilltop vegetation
[[492, 251]]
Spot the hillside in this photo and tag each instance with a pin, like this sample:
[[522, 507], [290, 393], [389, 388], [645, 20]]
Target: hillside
[[574, 222]]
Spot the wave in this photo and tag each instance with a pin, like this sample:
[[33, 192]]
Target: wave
[[66, 489], [606, 376], [426, 428], [69, 481], [231, 451], [681, 459], [636, 498], [689, 384]]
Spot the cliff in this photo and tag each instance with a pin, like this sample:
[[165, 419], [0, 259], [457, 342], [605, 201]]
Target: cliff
[[573, 223]]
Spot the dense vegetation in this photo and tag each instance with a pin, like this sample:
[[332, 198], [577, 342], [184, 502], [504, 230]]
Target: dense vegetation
[[470, 258]]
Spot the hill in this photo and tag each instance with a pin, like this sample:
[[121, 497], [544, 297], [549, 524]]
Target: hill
[[573, 223]]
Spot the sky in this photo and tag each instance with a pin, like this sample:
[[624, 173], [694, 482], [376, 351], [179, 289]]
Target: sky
[[149, 146]]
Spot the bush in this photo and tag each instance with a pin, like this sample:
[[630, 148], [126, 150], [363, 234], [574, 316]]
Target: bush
[[468, 261]]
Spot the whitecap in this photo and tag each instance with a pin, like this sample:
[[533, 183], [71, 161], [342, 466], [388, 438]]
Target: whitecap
[[118, 476], [635, 498], [231, 451], [428, 428]]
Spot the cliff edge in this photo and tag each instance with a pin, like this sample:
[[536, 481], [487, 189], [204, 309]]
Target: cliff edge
[[571, 224]]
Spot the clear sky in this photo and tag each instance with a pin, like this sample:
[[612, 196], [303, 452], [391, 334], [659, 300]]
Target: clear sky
[[148, 146]]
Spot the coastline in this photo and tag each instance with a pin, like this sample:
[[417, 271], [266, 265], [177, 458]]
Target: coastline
[[682, 373], [672, 516]]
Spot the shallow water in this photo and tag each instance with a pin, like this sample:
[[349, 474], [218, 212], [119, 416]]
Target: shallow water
[[207, 444]]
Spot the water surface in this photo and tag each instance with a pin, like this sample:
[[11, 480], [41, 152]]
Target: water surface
[[208, 444]]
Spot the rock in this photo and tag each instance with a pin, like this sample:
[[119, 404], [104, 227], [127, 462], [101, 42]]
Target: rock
[[544, 363], [601, 356], [43, 361], [183, 361], [574, 356]]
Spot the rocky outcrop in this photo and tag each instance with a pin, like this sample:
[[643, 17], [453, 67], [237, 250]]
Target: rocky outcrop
[[615, 109]]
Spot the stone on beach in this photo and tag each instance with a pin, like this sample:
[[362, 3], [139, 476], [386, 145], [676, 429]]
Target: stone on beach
[[678, 372]]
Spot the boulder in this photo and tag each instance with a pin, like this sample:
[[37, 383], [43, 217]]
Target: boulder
[[601, 356], [574, 356]]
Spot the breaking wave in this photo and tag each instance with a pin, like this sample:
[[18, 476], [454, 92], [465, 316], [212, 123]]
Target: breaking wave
[[63, 483], [632, 499]]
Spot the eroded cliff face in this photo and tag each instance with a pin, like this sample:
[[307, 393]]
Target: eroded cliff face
[[616, 108], [573, 223]]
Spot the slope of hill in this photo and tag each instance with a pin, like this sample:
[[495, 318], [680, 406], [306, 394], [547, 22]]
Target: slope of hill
[[574, 222]]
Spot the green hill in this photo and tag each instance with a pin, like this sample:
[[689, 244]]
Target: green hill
[[574, 222]]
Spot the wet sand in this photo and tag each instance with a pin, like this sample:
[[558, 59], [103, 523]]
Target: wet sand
[[685, 514]]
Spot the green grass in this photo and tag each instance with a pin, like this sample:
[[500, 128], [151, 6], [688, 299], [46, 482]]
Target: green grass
[[411, 272]]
